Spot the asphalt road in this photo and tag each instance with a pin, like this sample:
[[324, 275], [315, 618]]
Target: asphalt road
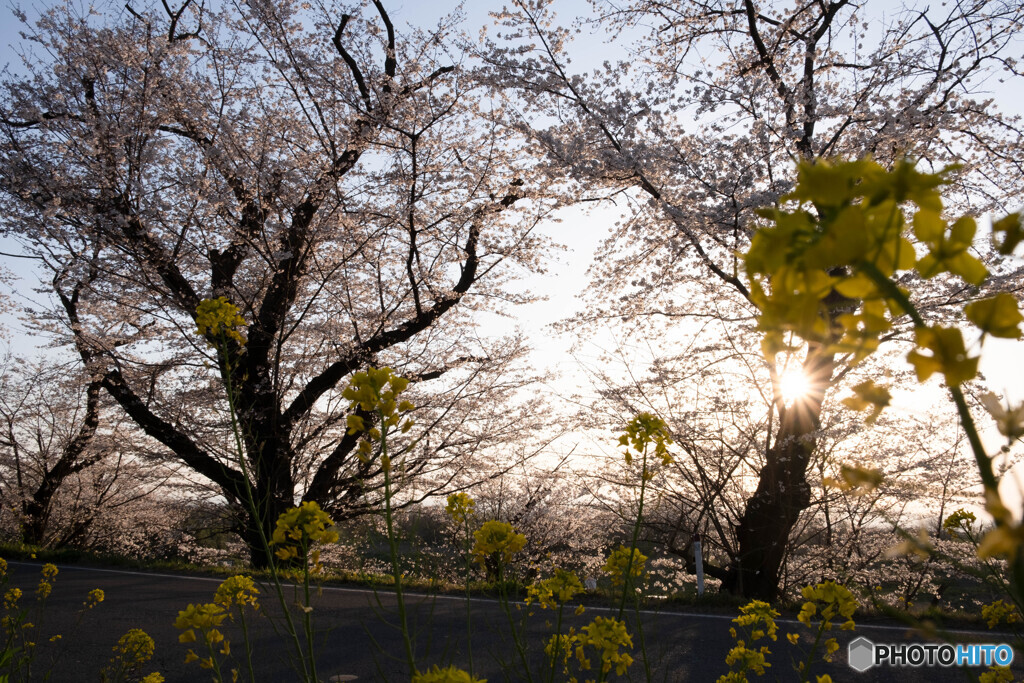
[[356, 641]]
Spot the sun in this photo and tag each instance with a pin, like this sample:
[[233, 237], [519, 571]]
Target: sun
[[794, 385]]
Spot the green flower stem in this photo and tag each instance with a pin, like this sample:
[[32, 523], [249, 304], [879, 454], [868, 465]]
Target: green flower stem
[[217, 676], [627, 577], [890, 290], [248, 644], [467, 558], [805, 675], [988, 477], [558, 645], [516, 634], [643, 644], [393, 544], [307, 612], [257, 518]]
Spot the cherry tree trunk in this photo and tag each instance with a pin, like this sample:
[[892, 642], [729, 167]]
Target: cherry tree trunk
[[782, 491], [763, 532]]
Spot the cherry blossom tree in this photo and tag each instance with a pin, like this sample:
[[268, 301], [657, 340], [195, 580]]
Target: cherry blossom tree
[[48, 436], [341, 183], [70, 466], [703, 124]]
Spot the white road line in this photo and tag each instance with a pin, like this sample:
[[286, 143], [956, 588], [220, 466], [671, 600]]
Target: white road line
[[600, 608]]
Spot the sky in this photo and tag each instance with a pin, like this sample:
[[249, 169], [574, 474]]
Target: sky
[[581, 234]]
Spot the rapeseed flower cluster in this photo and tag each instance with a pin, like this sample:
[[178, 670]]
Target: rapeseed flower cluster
[[216, 317], [133, 649], [498, 542], [11, 598], [758, 619], [643, 430], [49, 573], [1000, 613], [376, 392], [863, 242], [959, 522], [826, 600], [834, 599], [622, 561], [299, 528], [742, 659], [206, 619], [997, 674], [561, 645], [606, 636], [237, 590], [554, 591], [94, 597], [460, 507], [448, 674]]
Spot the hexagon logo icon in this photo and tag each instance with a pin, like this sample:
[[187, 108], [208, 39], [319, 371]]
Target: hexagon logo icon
[[861, 654]]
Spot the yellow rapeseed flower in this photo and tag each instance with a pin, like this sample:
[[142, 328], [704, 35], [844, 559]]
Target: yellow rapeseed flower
[[744, 659], [215, 317], [759, 616], [996, 674], [831, 647], [49, 573], [643, 430], [620, 559], [11, 598], [377, 391], [554, 591], [299, 528], [1000, 612], [560, 646], [958, 522], [448, 674], [606, 636], [204, 618], [834, 599], [460, 507], [497, 540], [135, 647], [94, 598], [237, 590]]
